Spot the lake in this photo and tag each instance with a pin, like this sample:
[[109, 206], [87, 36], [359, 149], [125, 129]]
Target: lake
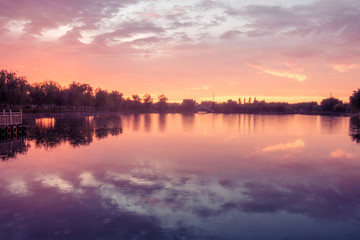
[[173, 176]]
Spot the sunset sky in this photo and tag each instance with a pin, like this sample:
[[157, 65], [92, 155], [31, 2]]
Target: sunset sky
[[284, 50]]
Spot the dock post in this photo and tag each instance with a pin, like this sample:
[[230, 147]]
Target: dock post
[[10, 118]]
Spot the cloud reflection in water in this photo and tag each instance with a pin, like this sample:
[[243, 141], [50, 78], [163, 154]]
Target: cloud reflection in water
[[175, 185]]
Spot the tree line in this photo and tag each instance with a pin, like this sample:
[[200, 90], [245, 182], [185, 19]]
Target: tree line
[[16, 91]]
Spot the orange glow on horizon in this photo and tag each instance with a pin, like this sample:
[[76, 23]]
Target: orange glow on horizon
[[267, 59]]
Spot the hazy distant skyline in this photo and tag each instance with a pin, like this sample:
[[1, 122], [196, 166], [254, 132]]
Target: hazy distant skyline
[[274, 50]]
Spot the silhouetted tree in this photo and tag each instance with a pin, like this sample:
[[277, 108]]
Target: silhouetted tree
[[328, 104], [355, 101], [136, 98], [86, 95], [52, 90], [306, 107], [60, 98], [161, 104], [47, 92], [188, 105], [115, 98], [136, 103], [127, 103], [147, 99], [16, 90], [101, 98], [79, 94], [37, 94], [339, 107], [13, 89]]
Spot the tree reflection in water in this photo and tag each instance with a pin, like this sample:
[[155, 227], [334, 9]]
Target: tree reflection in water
[[11, 146], [174, 185], [355, 129], [77, 131]]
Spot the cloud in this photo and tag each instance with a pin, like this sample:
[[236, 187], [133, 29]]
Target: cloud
[[199, 88], [88, 180], [230, 34], [132, 180], [339, 153], [55, 14], [298, 144], [297, 77], [181, 42], [273, 18], [16, 27], [345, 67], [294, 76], [54, 33], [126, 32], [18, 187], [321, 18], [56, 182], [149, 15], [329, 29], [97, 22], [337, 201]]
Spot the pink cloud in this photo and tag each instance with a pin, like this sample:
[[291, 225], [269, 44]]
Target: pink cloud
[[230, 34], [187, 45], [294, 76], [298, 144], [345, 67], [297, 77], [149, 15], [339, 153]]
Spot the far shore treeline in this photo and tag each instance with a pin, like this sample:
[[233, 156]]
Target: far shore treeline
[[17, 93]]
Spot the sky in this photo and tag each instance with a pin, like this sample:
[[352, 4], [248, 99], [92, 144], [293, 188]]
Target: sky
[[280, 50]]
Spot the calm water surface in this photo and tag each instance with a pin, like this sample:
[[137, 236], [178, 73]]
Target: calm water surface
[[201, 176]]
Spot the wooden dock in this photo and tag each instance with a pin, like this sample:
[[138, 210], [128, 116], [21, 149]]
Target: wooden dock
[[11, 124], [10, 118]]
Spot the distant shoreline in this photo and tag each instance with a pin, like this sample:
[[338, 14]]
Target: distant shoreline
[[92, 113], [50, 98]]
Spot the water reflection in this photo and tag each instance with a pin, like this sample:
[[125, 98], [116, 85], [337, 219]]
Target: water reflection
[[107, 125], [162, 122], [147, 123], [49, 133], [136, 122], [188, 121], [206, 177], [355, 129], [45, 122], [331, 124], [9, 148]]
